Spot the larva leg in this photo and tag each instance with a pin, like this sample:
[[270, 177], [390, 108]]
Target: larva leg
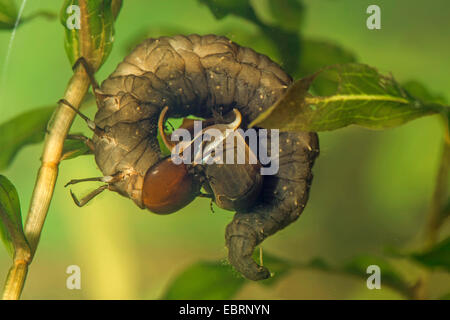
[[89, 197], [91, 124], [107, 179], [94, 193], [95, 86], [87, 141]]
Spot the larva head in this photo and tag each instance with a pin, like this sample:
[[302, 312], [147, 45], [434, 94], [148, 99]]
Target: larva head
[[168, 187]]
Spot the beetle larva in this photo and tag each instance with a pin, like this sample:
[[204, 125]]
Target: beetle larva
[[201, 76]]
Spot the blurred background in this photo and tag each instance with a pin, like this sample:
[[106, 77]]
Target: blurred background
[[371, 189]]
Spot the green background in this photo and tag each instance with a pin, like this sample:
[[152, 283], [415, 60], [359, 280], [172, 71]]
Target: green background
[[371, 188]]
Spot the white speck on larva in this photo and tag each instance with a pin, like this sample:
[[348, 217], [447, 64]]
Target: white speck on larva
[[260, 108], [217, 87], [284, 188], [261, 96], [288, 140], [281, 150]]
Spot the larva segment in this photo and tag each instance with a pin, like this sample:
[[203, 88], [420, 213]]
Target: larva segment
[[196, 75], [283, 200]]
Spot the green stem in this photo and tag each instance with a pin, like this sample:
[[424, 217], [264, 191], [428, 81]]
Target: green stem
[[436, 213], [407, 292]]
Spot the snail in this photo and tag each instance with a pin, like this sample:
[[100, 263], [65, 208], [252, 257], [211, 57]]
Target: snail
[[208, 77]]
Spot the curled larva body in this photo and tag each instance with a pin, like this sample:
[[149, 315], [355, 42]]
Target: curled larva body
[[196, 75]]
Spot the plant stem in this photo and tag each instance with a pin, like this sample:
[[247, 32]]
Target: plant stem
[[18, 271], [436, 214], [15, 280], [58, 128]]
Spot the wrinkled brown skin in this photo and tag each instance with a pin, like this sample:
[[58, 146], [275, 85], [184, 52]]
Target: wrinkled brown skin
[[195, 75], [236, 187]]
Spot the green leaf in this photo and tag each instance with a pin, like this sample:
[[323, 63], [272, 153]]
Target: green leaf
[[281, 45], [252, 40], [214, 280], [318, 54], [389, 275], [288, 44], [205, 281], [436, 257], [8, 14], [11, 231], [315, 55], [359, 95], [94, 39], [355, 267], [74, 148], [358, 267], [222, 8], [420, 92], [22, 130], [288, 13]]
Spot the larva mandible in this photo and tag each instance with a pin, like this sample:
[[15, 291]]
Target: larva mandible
[[196, 75]]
